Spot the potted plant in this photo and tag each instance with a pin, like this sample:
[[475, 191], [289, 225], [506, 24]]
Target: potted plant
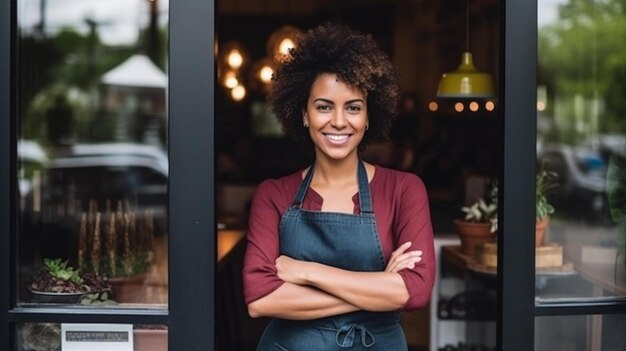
[[545, 183], [57, 282], [118, 245], [616, 198], [480, 222]]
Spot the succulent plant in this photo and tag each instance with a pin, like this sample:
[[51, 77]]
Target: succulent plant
[[57, 276]]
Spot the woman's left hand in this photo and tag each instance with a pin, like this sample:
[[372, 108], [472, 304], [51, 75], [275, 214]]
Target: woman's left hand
[[291, 270]]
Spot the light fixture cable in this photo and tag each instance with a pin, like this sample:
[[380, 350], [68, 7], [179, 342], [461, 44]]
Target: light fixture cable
[[467, 25]]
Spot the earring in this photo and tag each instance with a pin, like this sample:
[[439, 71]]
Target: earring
[[367, 126], [306, 125]]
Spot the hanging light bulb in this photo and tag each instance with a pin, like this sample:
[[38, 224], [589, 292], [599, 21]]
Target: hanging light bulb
[[234, 59], [238, 93], [232, 56], [473, 106], [466, 81], [285, 45], [280, 41], [230, 80], [265, 74]]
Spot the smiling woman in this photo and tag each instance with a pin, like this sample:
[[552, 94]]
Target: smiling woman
[[336, 116], [336, 250]]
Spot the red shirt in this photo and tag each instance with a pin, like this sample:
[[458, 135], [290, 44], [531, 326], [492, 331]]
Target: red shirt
[[401, 210]]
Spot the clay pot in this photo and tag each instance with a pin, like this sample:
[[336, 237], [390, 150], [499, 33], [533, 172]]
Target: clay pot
[[129, 289], [472, 235], [540, 231]]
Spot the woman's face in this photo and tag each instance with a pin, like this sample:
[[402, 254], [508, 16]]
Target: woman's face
[[336, 114]]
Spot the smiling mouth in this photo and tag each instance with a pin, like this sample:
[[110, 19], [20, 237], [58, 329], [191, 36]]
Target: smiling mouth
[[337, 138]]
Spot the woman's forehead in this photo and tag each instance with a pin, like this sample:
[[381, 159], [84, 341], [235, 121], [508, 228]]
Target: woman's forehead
[[331, 83]]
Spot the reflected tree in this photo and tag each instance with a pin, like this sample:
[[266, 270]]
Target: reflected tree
[[582, 61]]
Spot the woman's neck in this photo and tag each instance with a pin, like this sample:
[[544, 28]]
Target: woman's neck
[[336, 172]]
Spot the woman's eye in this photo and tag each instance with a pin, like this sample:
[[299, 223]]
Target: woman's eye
[[323, 108], [354, 108]]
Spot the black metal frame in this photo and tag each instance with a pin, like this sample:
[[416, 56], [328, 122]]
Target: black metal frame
[[577, 308], [516, 268], [192, 196], [516, 217], [191, 189], [6, 200]]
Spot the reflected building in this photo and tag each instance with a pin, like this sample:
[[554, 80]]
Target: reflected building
[[133, 101]]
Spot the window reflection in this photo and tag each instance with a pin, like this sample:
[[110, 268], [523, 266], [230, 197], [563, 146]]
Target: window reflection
[[582, 137], [93, 165], [567, 333]]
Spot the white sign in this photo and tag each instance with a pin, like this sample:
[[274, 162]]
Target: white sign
[[96, 337]]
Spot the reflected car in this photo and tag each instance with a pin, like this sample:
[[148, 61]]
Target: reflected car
[[582, 180], [133, 174]]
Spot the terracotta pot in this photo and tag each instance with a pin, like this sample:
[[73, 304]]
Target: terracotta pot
[[540, 231], [150, 339], [472, 235], [128, 289]]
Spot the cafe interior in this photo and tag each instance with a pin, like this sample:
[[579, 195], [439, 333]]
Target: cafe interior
[[448, 137]]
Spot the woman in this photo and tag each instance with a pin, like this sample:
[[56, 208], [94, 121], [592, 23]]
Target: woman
[[336, 250]]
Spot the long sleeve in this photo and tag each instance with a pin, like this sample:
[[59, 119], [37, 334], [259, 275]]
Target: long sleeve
[[259, 271], [413, 224]]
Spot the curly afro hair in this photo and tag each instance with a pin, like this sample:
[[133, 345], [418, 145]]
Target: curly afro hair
[[355, 59]]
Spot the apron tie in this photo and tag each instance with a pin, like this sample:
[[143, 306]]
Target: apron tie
[[345, 335]]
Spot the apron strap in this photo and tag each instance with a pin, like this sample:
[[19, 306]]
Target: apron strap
[[365, 199], [304, 186], [346, 335]]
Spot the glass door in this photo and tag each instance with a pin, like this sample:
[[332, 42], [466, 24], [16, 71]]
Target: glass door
[[581, 150], [90, 250], [92, 153]]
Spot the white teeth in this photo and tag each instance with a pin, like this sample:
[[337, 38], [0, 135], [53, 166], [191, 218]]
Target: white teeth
[[337, 137]]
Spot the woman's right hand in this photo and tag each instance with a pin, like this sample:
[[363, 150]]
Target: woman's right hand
[[401, 259]]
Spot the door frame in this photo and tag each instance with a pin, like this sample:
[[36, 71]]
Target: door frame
[[189, 315]]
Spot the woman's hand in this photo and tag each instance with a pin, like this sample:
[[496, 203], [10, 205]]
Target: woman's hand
[[291, 270], [400, 259]]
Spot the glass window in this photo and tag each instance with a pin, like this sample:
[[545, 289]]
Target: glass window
[[52, 336], [579, 333], [581, 141], [92, 153]]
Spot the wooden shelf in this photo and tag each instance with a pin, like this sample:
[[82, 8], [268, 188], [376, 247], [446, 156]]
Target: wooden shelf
[[454, 256]]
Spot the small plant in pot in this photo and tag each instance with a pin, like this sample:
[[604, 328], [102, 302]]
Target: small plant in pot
[[616, 198], [480, 223], [116, 243], [546, 182], [57, 282]]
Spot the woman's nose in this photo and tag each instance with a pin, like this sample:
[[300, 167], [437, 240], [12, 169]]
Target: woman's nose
[[339, 119]]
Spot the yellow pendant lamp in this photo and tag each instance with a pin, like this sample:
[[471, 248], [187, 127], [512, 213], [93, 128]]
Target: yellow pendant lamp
[[466, 81]]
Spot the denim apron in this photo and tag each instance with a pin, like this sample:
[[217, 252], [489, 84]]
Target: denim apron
[[345, 241]]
